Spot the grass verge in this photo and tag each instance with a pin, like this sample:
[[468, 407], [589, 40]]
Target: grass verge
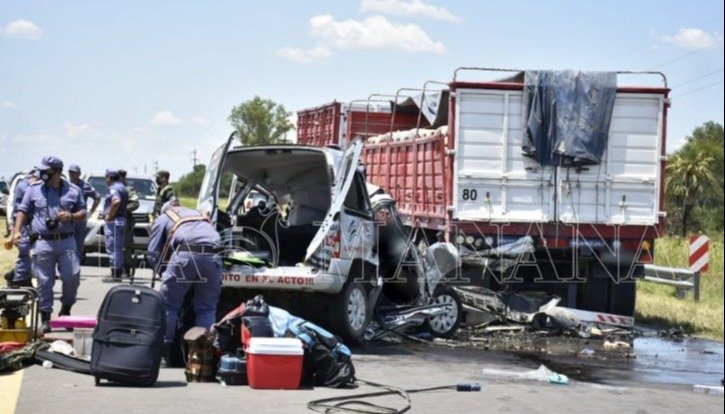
[[657, 305]]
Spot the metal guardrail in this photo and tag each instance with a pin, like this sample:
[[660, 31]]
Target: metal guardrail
[[682, 279]]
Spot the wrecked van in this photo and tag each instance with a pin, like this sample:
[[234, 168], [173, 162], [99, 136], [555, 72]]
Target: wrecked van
[[299, 227]]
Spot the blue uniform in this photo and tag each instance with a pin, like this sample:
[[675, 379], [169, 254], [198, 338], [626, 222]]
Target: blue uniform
[[185, 269], [54, 247], [113, 229], [87, 191], [23, 264]]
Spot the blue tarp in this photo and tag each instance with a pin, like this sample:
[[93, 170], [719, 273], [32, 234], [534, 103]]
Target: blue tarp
[[567, 115]]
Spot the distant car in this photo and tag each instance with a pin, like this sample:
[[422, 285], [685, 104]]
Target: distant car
[[4, 196], [145, 186]]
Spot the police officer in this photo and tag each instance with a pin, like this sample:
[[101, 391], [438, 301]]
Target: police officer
[[133, 205], [87, 190], [52, 207], [22, 276], [114, 213], [186, 241], [164, 191]]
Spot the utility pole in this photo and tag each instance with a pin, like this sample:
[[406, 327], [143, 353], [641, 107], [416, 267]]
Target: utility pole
[[156, 167], [194, 161]]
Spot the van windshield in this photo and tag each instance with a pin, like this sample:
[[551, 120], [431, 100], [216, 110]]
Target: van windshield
[[143, 186]]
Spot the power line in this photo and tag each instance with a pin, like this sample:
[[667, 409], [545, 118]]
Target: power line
[[699, 89], [688, 54], [648, 45], [698, 78]]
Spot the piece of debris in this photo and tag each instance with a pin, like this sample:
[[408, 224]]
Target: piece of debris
[[608, 344], [707, 389], [542, 374], [586, 352], [511, 306], [503, 328]]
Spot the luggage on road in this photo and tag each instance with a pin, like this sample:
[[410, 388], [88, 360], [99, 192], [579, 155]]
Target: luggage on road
[[128, 339]]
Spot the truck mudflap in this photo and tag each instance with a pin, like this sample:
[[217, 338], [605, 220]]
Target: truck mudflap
[[284, 278]]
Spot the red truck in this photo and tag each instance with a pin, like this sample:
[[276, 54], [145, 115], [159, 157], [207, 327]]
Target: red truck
[[459, 173]]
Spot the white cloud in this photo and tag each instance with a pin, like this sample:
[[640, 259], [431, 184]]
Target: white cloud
[[199, 120], [693, 39], [165, 118], [73, 130], [375, 32], [408, 8], [304, 55], [7, 104], [23, 29]]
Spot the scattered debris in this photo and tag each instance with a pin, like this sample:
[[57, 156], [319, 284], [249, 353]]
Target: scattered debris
[[587, 352], [511, 306], [542, 374], [707, 389], [676, 334], [616, 345], [505, 321]]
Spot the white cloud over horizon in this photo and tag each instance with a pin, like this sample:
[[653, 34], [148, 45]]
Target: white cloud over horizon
[[165, 118], [23, 29], [693, 39], [7, 104], [372, 33], [301, 55], [411, 8], [200, 120], [72, 129]]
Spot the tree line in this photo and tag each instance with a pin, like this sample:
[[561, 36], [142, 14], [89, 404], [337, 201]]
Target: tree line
[[694, 183]]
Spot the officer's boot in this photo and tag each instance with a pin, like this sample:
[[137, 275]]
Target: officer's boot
[[64, 310], [9, 276], [45, 320], [126, 272], [27, 282], [166, 355], [114, 277]]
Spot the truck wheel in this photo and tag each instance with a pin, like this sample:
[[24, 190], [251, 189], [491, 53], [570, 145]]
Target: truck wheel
[[445, 325], [349, 314]]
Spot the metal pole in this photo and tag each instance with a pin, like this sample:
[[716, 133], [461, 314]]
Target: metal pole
[[697, 286]]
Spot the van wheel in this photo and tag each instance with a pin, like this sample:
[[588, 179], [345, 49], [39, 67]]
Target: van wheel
[[445, 325], [349, 314]]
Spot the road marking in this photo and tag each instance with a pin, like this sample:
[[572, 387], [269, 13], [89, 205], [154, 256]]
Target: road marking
[[10, 391]]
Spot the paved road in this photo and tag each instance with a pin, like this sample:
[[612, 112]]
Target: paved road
[[37, 390]]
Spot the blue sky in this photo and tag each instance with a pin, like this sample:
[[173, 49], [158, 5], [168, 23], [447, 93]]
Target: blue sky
[[130, 83]]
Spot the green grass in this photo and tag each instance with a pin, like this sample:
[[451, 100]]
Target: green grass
[[657, 305], [189, 202]]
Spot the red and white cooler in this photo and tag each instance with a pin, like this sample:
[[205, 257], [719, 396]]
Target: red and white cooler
[[274, 363]]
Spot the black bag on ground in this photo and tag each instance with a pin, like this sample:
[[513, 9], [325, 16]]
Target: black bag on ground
[[327, 361], [128, 338]]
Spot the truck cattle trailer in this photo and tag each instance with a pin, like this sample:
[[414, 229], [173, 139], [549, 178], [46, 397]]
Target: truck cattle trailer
[[460, 172]]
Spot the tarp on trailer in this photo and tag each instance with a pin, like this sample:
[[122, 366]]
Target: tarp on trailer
[[434, 107], [567, 116]]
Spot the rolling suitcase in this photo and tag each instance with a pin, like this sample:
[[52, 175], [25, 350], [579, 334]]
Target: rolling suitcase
[[129, 336]]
